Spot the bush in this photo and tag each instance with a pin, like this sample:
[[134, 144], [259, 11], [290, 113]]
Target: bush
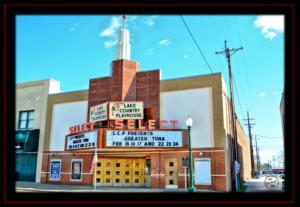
[[242, 189]]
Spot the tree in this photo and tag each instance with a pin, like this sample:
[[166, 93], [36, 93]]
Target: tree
[[266, 167]]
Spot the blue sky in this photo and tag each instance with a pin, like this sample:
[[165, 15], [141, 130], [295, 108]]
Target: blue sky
[[75, 48]]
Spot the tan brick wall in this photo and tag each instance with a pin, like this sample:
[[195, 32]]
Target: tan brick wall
[[244, 154]]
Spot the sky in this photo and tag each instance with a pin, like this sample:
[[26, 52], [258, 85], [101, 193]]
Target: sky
[[75, 48]]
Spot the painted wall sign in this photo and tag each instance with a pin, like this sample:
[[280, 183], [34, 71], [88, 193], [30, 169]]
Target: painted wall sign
[[55, 170], [126, 110], [80, 141], [126, 138], [98, 113]]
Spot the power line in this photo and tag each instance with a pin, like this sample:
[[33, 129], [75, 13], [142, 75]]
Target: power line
[[238, 99], [245, 68], [268, 136], [220, 84], [196, 44]]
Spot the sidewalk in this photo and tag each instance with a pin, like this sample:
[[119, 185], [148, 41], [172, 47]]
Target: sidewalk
[[39, 187]]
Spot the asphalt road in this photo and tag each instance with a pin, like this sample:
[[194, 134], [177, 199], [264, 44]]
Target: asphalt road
[[258, 185]]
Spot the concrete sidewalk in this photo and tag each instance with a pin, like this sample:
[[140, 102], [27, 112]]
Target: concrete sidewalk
[[39, 187]]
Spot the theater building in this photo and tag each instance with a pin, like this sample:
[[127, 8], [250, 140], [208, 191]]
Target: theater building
[[136, 123]]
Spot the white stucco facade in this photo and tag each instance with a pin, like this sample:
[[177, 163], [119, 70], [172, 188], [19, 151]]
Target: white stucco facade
[[197, 103], [64, 116]]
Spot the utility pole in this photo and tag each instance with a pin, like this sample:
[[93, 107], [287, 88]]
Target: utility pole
[[229, 53], [250, 139], [257, 156]]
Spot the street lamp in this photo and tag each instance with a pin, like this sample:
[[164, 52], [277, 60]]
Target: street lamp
[[189, 123]]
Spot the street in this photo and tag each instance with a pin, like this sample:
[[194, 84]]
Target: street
[[258, 185]]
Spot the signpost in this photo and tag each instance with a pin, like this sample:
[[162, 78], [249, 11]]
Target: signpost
[[185, 164]]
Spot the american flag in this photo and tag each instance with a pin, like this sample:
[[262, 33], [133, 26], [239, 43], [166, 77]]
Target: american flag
[[95, 160]]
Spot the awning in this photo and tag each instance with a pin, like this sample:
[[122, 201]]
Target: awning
[[22, 135], [30, 138]]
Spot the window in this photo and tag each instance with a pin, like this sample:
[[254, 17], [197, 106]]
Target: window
[[126, 180], [117, 164], [136, 180], [26, 119], [98, 180], [148, 167], [107, 172], [98, 172], [171, 182], [99, 164], [171, 173], [117, 180], [117, 172], [127, 173], [171, 164]]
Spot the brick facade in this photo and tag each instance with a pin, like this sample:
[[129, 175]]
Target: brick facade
[[217, 156]]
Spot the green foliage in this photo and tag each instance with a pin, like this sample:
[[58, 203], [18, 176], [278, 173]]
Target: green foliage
[[253, 173], [242, 189]]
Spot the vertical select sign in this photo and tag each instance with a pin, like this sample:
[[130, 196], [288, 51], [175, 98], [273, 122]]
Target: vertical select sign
[[98, 113], [126, 110]]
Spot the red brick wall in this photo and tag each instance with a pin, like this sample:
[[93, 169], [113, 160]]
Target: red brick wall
[[99, 92], [148, 91], [123, 85], [65, 173], [217, 156], [127, 84]]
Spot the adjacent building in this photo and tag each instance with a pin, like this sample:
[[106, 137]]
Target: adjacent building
[[31, 104]]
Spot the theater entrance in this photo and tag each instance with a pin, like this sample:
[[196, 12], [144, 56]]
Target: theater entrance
[[120, 172]]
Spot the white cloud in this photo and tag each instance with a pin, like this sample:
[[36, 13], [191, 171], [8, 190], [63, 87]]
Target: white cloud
[[150, 21], [185, 57], [165, 42], [271, 25], [274, 92], [71, 29], [130, 18], [150, 51], [262, 94], [115, 23], [110, 43]]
